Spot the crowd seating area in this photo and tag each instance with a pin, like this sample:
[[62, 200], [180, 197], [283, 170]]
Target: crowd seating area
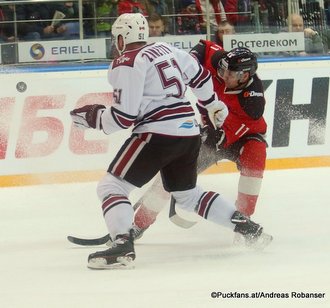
[[36, 20]]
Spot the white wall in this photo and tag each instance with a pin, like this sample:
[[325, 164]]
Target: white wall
[[37, 135]]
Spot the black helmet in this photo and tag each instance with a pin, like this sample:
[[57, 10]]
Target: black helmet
[[239, 60]]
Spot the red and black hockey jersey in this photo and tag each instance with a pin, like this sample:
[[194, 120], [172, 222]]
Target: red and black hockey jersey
[[246, 106]]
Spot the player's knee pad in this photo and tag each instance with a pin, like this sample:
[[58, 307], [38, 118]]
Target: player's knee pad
[[111, 185], [188, 199], [252, 158]]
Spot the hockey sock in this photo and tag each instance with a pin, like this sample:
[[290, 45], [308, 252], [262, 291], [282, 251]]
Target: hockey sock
[[213, 207], [144, 217], [246, 203], [248, 192], [118, 214]]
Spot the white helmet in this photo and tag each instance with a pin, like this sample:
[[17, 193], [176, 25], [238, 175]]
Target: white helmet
[[133, 27]]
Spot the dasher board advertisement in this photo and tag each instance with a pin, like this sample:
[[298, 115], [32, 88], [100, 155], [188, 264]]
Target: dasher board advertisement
[[59, 50], [37, 135], [270, 42]]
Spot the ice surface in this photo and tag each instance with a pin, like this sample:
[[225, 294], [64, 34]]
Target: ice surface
[[174, 267]]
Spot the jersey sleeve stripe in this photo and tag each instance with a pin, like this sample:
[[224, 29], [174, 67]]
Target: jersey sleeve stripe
[[165, 113], [201, 78], [170, 109], [203, 104], [122, 119]]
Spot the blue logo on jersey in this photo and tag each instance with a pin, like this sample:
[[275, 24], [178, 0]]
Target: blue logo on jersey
[[187, 124]]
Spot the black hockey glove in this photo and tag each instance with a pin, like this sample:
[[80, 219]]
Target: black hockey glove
[[88, 116], [213, 138], [221, 139]]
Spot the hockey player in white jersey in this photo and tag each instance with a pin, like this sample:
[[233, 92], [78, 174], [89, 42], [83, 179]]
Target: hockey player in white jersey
[[149, 83]]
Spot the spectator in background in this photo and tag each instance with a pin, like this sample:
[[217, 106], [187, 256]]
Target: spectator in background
[[313, 41], [217, 13], [224, 28], [69, 26], [38, 21], [7, 30], [33, 21], [105, 11], [160, 7], [273, 14], [156, 25], [188, 21], [131, 6], [238, 12]]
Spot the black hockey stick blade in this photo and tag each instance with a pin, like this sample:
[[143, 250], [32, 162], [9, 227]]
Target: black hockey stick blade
[[89, 242], [96, 241], [176, 219]]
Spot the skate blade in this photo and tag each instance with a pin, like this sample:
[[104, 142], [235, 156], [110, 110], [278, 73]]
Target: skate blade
[[101, 264], [262, 241]]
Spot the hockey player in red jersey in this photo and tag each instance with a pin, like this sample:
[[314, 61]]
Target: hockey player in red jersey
[[240, 139], [149, 83]]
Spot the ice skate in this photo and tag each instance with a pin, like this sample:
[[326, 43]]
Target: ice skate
[[252, 232], [137, 232], [119, 256]]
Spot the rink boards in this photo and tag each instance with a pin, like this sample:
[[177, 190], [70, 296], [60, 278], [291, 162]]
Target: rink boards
[[38, 143]]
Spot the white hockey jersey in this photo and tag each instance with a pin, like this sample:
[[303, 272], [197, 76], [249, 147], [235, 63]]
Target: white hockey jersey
[[149, 85]]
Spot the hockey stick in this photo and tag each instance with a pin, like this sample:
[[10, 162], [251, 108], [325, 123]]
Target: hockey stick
[[89, 242], [176, 219], [96, 241], [173, 216]]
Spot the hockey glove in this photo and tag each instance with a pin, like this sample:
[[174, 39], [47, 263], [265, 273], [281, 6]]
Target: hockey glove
[[213, 138], [217, 113], [220, 138], [88, 116]]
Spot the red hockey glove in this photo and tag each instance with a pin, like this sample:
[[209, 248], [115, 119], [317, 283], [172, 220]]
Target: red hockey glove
[[88, 116]]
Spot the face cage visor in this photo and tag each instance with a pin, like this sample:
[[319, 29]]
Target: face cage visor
[[223, 67]]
